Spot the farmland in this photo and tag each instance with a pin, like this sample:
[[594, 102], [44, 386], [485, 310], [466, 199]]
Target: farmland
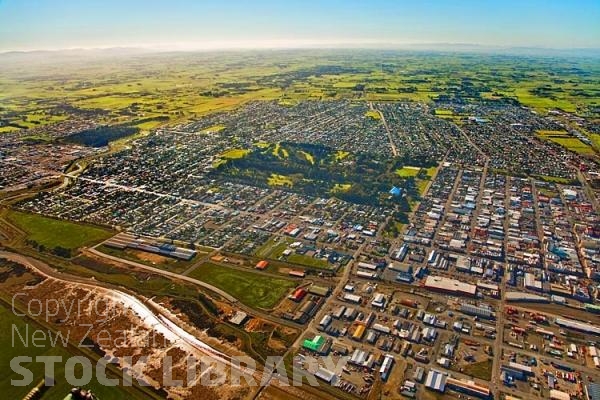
[[139, 92]]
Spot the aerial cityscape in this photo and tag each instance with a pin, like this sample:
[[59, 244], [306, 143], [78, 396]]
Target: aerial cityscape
[[280, 202]]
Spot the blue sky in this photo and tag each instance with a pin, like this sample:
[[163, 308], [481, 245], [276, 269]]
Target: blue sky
[[44, 24]]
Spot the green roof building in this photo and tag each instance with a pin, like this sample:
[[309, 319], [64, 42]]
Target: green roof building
[[315, 344]]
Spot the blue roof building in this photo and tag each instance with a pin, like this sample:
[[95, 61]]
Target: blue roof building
[[395, 191]]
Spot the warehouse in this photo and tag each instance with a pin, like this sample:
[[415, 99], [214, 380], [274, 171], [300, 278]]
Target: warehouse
[[451, 286], [339, 312], [366, 275], [381, 328], [436, 380], [359, 357], [359, 332], [326, 375], [262, 265], [298, 295], [322, 291], [481, 312], [578, 326], [419, 374], [558, 395], [468, 387], [523, 296], [314, 344], [386, 366], [378, 300], [352, 298], [369, 266]]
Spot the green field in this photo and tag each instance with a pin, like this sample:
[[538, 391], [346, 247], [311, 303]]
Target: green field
[[252, 289], [279, 180], [17, 348], [567, 141], [373, 115], [235, 154], [274, 250], [52, 233], [307, 261], [407, 171]]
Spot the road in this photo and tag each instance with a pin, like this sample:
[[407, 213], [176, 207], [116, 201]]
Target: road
[[225, 295], [387, 129]]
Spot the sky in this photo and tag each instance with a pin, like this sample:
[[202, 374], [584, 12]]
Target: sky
[[209, 24]]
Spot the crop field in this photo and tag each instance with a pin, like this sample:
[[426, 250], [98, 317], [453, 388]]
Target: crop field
[[250, 288], [51, 233]]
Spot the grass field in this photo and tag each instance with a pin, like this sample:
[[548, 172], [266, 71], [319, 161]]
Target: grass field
[[373, 115], [17, 348], [407, 171], [235, 154], [341, 187], [250, 288], [213, 129], [567, 141], [307, 261], [280, 180], [52, 233], [274, 250], [481, 370]]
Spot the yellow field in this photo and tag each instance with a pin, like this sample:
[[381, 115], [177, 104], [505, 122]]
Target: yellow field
[[235, 153], [280, 180]]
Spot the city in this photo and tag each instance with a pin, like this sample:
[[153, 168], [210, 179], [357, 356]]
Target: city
[[373, 223]]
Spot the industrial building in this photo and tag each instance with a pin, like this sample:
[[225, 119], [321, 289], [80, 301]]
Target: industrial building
[[450, 286], [124, 241], [468, 387], [386, 366], [478, 311], [436, 380]]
